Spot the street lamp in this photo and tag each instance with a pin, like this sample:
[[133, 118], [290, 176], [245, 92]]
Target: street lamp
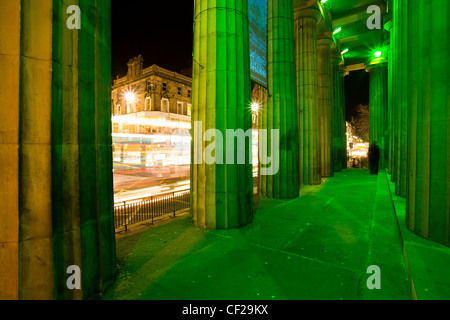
[[130, 97], [255, 107]]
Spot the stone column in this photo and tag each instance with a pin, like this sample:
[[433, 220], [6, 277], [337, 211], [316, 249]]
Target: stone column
[[281, 111], [57, 176], [324, 44], [400, 95], [306, 19], [428, 120], [221, 184], [378, 109], [337, 113], [342, 74]]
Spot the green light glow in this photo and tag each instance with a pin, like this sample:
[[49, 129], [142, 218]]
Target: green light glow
[[377, 54], [345, 51], [337, 31], [323, 1]]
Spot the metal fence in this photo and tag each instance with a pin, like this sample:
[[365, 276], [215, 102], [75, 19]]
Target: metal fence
[[150, 208]]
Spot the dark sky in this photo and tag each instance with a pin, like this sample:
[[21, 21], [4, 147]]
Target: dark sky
[[356, 91], [162, 31]]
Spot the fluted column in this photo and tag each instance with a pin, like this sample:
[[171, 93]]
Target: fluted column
[[307, 89], [57, 183], [281, 111], [400, 94], [428, 134], [221, 187], [342, 74], [325, 103], [337, 112], [378, 110]]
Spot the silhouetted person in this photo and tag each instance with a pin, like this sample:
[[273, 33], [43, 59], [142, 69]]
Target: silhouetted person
[[374, 157]]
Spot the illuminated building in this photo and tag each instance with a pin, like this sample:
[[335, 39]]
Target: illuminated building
[[151, 120]]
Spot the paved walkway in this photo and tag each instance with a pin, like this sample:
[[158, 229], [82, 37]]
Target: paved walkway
[[428, 261], [318, 246]]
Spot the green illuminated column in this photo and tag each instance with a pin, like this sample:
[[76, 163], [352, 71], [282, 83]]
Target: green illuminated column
[[60, 185], [342, 74], [378, 110], [307, 81], [391, 111], [221, 194], [428, 121], [325, 104], [281, 111], [337, 113], [400, 94]]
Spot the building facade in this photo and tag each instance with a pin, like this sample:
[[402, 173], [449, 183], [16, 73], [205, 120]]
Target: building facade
[[153, 92], [151, 119]]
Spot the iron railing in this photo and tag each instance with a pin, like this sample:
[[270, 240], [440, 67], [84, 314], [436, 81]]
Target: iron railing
[[150, 208]]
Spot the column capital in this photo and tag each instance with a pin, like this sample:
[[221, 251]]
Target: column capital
[[306, 9], [336, 57], [325, 39], [388, 22]]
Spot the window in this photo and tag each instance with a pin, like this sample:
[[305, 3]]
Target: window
[[179, 91], [148, 104], [189, 109], [164, 86], [180, 107], [189, 93], [118, 109], [165, 105], [149, 85]]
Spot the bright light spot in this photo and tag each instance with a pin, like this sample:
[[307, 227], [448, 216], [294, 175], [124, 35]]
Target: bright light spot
[[377, 54], [345, 51], [130, 96], [255, 107], [337, 30], [323, 1]]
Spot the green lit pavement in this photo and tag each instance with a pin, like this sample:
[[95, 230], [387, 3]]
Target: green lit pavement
[[428, 261], [318, 246]]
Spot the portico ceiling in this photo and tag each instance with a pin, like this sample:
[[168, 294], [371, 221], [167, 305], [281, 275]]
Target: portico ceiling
[[351, 17]]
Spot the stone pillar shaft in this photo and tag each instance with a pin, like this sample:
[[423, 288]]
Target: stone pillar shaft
[[428, 134], [326, 105], [337, 113], [378, 110], [61, 143], [281, 111], [400, 95], [344, 159], [308, 107], [221, 192]]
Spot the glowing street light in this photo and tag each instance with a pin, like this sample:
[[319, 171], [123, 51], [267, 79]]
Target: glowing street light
[[345, 51], [130, 96], [255, 107], [377, 54]]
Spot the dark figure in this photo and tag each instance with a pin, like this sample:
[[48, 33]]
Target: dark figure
[[374, 157]]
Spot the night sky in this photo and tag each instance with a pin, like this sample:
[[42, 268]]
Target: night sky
[[356, 91], [162, 31]]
